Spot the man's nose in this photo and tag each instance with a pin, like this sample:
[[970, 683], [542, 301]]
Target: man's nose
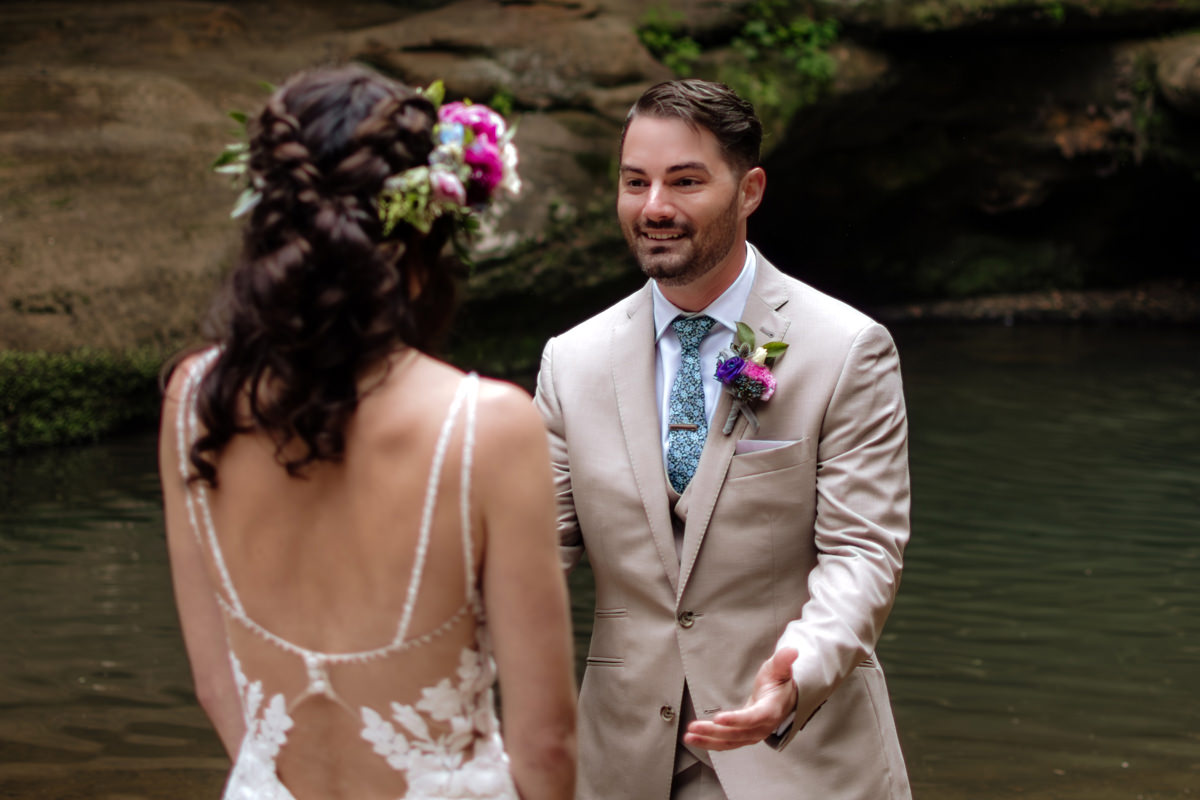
[[658, 203]]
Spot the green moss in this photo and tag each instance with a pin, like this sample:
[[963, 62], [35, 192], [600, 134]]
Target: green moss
[[974, 265], [61, 398], [778, 59], [660, 31]]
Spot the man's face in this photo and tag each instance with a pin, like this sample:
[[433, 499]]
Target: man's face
[[678, 202]]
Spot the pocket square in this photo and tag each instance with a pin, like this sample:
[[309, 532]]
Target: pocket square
[[755, 445]]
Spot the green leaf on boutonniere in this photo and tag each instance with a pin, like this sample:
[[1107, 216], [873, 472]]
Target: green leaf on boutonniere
[[775, 349], [745, 335], [239, 117]]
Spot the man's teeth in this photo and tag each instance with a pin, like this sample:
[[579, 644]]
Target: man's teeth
[[661, 237]]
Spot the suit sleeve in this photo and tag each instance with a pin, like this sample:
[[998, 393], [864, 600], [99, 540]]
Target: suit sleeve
[[862, 524], [547, 402]]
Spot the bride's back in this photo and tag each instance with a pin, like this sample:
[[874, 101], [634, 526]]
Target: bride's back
[[309, 553], [352, 591]]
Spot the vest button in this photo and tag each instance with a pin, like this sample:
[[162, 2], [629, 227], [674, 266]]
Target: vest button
[[687, 619], [667, 713]]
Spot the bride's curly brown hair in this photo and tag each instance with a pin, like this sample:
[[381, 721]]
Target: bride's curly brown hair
[[319, 292]]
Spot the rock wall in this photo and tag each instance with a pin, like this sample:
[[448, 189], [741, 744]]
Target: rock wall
[[964, 146], [998, 150], [113, 232]]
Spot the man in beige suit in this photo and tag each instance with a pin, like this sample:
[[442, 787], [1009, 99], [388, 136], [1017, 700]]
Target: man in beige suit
[[742, 581]]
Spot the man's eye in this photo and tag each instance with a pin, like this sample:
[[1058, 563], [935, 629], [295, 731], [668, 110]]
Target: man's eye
[[687, 182]]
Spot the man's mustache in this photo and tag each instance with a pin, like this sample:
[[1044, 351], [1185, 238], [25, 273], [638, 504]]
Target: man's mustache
[[652, 225]]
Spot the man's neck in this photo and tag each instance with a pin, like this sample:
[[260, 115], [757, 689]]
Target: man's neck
[[697, 295]]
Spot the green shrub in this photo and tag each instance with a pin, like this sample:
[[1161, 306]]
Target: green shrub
[[60, 398], [778, 59], [781, 64], [659, 32]]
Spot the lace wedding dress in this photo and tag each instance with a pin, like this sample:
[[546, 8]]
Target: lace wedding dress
[[447, 743]]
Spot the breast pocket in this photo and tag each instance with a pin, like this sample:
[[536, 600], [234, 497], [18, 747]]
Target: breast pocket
[[759, 462]]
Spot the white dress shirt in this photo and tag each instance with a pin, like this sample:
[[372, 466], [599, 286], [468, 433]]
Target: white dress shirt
[[726, 310]]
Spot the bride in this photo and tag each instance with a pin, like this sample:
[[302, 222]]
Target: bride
[[361, 536]]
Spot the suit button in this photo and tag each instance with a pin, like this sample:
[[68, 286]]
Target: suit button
[[667, 713], [687, 619]]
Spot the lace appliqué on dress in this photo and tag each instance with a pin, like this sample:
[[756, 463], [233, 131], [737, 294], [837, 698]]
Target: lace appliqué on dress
[[439, 766], [254, 775]]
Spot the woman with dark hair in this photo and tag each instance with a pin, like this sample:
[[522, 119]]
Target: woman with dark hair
[[361, 536]]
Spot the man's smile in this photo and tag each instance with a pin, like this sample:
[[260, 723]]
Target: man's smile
[[662, 236]]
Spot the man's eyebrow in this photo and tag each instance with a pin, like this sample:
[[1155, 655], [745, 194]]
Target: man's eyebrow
[[684, 167], [689, 165]]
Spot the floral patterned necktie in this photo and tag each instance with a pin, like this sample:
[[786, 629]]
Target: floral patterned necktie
[[687, 425]]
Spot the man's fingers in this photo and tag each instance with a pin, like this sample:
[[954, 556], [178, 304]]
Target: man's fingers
[[749, 717], [731, 729], [711, 736], [718, 744]]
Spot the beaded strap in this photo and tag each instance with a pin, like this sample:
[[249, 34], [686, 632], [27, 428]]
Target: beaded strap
[[197, 498]]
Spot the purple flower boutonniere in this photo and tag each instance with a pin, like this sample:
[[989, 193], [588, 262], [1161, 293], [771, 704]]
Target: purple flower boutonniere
[[745, 371]]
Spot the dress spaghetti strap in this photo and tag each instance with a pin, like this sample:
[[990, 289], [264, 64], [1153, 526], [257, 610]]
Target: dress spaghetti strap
[[447, 743]]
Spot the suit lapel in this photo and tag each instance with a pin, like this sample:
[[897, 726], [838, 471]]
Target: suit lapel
[[768, 295], [632, 357]]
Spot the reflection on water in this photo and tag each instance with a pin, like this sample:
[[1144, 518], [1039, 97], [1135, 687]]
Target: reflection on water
[[1047, 636], [94, 684], [1045, 644]]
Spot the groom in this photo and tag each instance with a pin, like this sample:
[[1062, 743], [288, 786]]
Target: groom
[[742, 578]]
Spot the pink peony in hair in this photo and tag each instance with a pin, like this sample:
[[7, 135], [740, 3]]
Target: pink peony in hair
[[483, 122]]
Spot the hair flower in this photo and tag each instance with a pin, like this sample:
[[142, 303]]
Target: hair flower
[[473, 166], [482, 121], [486, 167], [451, 133], [744, 369], [447, 188]]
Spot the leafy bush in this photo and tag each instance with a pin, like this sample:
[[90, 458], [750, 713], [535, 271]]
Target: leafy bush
[[658, 31], [59, 398], [783, 62], [778, 60]]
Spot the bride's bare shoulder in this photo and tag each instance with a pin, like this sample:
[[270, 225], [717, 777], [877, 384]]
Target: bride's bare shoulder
[[507, 416], [178, 370]]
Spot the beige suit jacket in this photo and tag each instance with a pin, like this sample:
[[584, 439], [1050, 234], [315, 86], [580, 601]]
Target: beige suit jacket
[[799, 545]]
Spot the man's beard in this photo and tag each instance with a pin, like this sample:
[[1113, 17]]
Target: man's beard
[[703, 255]]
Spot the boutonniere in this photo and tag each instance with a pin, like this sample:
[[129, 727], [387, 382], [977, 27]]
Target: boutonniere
[[745, 370]]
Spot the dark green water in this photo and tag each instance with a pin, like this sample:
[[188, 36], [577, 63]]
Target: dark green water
[[1045, 644]]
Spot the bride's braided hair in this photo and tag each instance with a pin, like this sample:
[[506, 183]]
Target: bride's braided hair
[[319, 292]]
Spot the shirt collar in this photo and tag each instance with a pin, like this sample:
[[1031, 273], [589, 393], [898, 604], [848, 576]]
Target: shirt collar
[[726, 310]]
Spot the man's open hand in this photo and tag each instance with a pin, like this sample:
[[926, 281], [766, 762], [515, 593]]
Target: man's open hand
[[774, 697]]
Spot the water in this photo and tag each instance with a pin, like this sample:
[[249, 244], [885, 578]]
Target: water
[[1045, 644]]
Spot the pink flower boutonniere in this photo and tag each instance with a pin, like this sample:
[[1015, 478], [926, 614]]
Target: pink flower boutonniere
[[745, 371]]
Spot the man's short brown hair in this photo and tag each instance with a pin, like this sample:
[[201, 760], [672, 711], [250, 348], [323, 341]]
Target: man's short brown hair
[[709, 105]]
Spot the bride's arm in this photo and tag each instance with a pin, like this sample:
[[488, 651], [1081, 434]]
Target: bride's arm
[[195, 596], [525, 593]]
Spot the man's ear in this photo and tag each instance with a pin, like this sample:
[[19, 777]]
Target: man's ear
[[754, 185]]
